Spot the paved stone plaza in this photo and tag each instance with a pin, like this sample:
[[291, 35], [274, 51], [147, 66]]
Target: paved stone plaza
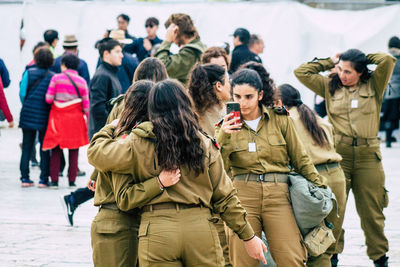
[[34, 231]]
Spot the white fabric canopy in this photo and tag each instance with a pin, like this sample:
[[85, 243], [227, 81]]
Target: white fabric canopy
[[293, 33]]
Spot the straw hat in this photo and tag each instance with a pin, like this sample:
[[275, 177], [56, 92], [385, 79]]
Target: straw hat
[[70, 40], [119, 35]]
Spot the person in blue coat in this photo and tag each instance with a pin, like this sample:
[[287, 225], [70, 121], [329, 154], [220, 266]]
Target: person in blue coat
[[5, 77], [34, 114], [70, 45]]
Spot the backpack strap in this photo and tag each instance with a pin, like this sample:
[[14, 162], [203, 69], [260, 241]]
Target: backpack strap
[[36, 83]]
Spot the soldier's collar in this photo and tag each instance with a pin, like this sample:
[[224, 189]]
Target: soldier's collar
[[265, 112]]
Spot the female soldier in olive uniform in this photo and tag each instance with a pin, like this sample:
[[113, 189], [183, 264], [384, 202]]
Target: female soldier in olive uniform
[[258, 155], [176, 228], [353, 100], [317, 137]]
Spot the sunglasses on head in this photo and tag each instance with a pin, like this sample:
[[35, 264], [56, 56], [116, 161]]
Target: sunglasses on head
[[149, 26]]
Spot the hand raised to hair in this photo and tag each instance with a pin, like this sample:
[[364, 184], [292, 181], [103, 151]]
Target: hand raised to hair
[[255, 247], [169, 178], [335, 58], [228, 125], [172, 32]]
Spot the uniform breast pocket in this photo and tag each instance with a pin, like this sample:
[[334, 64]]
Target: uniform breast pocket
[[240, 155], [367, 102], [336, 104], [278, 149]]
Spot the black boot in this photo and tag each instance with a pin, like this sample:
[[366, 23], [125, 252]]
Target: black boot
[[334, 260], [382, 262]]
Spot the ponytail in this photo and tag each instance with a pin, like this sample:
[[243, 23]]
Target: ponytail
[[290, 97], [201, 85]]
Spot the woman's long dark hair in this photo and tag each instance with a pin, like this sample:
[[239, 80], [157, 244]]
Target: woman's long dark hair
[[135, 106], [175, 127], [290, 97], [267, 82], [359, 62], [201, 85]]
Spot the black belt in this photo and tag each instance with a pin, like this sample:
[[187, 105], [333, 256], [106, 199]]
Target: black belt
[[327, 166], [170, 206], [113, 206], [265, 177], [352, 141]]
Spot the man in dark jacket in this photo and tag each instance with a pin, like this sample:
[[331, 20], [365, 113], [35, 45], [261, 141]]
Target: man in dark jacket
[[142, 46], [70, 45], [241, 53], [105, 84]]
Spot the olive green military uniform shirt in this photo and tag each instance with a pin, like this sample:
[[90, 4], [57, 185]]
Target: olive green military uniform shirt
[[318, 154], [353, 112], [209, 118], [179, 65], [104, 191], [135, 156], [277, 143]]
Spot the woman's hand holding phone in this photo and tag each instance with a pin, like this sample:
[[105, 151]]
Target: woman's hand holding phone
[[231, 124]]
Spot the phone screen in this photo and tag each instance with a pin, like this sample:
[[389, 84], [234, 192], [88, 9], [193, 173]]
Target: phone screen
[[233, 107]]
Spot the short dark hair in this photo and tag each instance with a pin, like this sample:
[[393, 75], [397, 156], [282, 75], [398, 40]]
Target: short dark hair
[[247, 76], [254, 39], [107, 44], [50, 35], [70, 61], [151, 69], [152, 21], [243, 34], [214, 52], [39, 45], [394, 42], [43, 58], [124, 17]]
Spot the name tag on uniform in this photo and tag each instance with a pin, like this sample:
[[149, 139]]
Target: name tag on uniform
[[252, 147], [354, 103]]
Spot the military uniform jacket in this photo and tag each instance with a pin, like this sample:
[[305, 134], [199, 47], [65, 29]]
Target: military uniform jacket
[[318, 154], [353, 112], [134, 157], [179, 65], [277, 147]]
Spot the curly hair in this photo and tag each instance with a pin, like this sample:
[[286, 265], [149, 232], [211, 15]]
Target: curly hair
[[185, 24], [135, 106], [268, 85], [175, 127], [202, 80], [214, 52], [43, 58]]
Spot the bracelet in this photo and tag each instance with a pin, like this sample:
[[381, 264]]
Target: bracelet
[[158, 178], [249, 238]]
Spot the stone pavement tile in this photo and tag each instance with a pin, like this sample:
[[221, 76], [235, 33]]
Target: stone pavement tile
[[34, 231]]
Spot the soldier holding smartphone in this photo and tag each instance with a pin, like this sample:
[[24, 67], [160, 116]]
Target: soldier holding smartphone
[[258, 155]]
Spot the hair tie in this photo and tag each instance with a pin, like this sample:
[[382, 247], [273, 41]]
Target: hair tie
[[298, 102]]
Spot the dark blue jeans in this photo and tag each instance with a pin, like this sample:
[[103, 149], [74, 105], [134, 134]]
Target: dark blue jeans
[[28, 142]]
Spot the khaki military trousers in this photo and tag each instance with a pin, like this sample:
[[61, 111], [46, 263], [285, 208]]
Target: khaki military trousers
[[173, 237], [337, 182], [268, 209], [114, 238], [220, 226], [365, 177]]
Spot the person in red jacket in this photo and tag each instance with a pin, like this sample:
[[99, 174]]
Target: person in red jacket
[[4, 107]]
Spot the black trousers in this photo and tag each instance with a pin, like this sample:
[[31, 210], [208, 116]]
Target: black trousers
[[28, 143], [81, 195]]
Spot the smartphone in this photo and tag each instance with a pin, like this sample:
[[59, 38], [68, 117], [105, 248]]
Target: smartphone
[[234, 107]]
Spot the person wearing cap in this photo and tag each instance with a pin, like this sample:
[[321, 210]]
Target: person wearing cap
[[70, 45], [241, 53], [391, 102], [129, 63], [51, 37], [142, 46], [182, 32]]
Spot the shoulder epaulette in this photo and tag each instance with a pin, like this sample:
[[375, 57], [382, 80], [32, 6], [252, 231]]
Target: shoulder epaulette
[[117, 99], [316, 59], [281, 110], [215, 143]]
